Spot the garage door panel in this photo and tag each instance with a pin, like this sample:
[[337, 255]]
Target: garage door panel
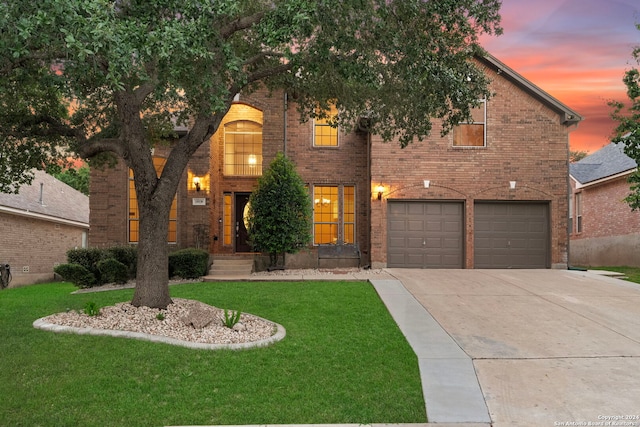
[[399, 242], [433, 244], [431, 235], [452, 227], [511, 235], [414, 209], [397, 209], [434, 226], [396, 225], [415, 225], [452, 244], [413, 243]]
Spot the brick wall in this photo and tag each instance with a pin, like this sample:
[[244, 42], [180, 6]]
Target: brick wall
[[610, 229], [32, 247], [604, 211], [526, 143], [346, 164]]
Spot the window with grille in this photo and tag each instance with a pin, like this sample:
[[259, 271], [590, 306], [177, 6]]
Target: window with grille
[[333, 216], [243, 148], [325, 135], [473, 133]]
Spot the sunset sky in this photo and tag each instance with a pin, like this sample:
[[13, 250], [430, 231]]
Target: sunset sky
[[577, 51]]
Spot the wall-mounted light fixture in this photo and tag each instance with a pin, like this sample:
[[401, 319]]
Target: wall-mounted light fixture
[[198, 183], [380, 190], [426, 183], [512, 185]]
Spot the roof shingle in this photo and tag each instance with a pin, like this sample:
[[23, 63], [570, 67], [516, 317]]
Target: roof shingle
[[610, 160], [57, 200]]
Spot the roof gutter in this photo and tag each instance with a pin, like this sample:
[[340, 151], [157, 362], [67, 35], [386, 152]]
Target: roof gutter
[[580, 185], [35, 215], [568, 116]]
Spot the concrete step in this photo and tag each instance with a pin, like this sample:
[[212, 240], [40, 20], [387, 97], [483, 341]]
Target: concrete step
[[231, 267]]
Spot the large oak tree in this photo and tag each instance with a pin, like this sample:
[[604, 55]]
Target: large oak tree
[[115, 76]]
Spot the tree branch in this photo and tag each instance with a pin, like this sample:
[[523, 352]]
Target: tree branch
[[240, 24], [268, 72], [93, 147], [266, 54]]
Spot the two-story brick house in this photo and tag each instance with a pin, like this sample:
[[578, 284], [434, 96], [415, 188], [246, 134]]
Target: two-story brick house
[[489, 194]]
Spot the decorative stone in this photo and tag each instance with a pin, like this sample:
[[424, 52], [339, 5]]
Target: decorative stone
[[199, 317], [239, 327]]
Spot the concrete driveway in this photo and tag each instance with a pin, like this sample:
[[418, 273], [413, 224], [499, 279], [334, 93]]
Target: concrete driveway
[[549, 347]]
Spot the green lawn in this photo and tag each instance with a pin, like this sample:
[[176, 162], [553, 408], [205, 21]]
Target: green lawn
[[632, 273], [343, 361]]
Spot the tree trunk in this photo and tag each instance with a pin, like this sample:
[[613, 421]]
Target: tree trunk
[[152, 277]]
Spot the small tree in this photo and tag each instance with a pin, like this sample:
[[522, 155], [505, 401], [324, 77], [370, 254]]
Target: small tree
[[628, 130], [76, 178], [279, 219], [577, 155]]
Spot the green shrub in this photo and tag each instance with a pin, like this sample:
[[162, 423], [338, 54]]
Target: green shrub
[[188, 263], [88, 258], [128, 255], [76, 274], [112, 270]]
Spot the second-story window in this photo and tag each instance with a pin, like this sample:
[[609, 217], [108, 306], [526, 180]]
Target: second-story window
[[474, 132], [243, 148], [325, 135]]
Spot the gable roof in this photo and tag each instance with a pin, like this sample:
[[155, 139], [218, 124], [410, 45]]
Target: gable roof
[[608, 162], [48, 199], [567, 115]]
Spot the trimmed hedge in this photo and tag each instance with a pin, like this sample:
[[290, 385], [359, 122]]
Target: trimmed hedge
[[127, 255], [76, 274], [188, 263], [88, 258], [111, 270], [95, 266]]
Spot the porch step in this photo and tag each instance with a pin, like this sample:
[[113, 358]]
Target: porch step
[[231, 267]]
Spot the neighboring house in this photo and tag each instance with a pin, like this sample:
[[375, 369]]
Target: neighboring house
[[492, 194], [39, 225], [604, 229]]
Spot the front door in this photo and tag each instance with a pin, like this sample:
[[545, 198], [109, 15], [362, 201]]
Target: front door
[[242, 238]]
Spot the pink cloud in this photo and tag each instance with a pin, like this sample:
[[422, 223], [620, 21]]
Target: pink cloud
[[577, 51]]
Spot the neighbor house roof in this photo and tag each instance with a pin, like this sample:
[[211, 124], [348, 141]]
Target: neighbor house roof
[[48, 199], [607, 163], [568, 116]]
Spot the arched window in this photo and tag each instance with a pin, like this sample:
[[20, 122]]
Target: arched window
[[243, 148]]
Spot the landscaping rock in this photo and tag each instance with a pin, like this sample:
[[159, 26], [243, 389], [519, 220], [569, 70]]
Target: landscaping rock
[[239, 327], [199, 317]]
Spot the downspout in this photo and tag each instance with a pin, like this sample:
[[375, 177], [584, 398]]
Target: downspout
[[369, 198], [286, 107], [569, 197]]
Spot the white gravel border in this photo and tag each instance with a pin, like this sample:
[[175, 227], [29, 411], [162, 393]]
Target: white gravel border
[[278, 336]]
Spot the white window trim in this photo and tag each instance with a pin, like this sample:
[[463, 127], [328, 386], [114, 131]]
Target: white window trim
[[483, 101]]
